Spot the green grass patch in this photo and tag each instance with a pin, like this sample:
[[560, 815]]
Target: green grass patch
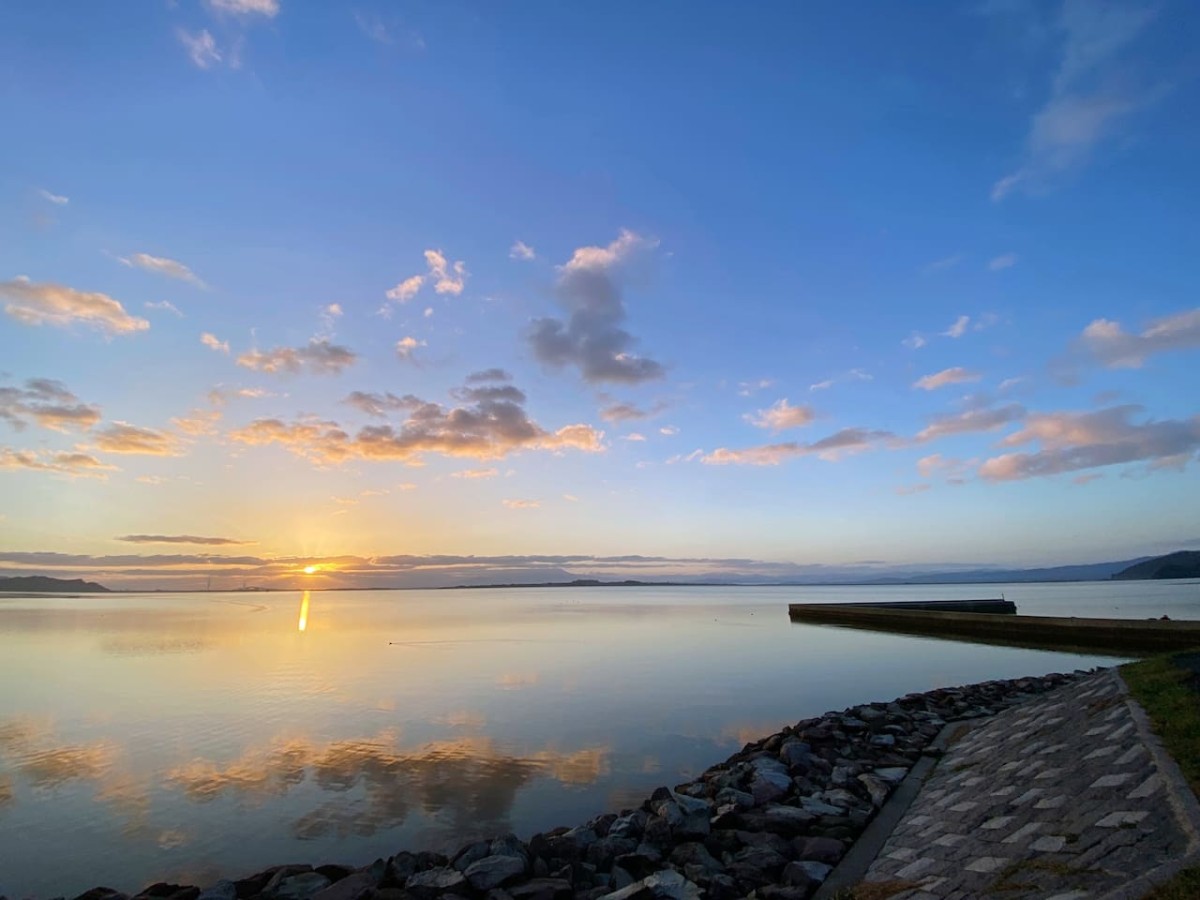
[[1166, 692], [1184, 886]]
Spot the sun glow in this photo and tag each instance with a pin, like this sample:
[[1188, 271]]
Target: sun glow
[[310, 570], [303, 623]]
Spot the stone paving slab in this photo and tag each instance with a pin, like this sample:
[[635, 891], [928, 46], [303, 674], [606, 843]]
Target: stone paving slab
[[1068, 796]]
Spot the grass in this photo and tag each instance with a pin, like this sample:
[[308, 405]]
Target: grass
[[1168, 693]]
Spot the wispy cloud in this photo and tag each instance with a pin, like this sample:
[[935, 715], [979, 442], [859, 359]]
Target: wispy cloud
[[915, 341], [54, 304], [781, 416], [121, 437], [406, 289], [1071, 441], [407, 346], [634, 436], [180, 539], [842, 443], [668, 430], [72, 464], [212, 342], [941, 265], [630, 412], [522, 504], [1004, 261], [201, 47], [1090, 97], [852, 375], [1107, 342], [971, 421], [56, 199], [446, 278], [750, 388], [490, 424], [48, 403], [521, 250], [319, 357], [956, 375], [472, 474], [486, 375], [160, 265], [267, 8], [164, 305], [959, 328], [592, 339]]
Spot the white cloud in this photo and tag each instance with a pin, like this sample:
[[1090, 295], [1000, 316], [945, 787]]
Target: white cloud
[[1071, 442], [1090, 96], [162, 266], [781, 416], [750, 388], [634, 436], [956, 375], [570, 498], [522, 504], [959, 328], [198, 422], [320, 357], [56, 199], [842, 443], [407, 289], [54, 304], [406, 346], [914, 341], [165, 305], [73, 464], [213, 343], [268, 8], [521, 250], [592, 338], [822, 385], [447, 278], [1005, 261], [668, 430], [121, 437], [201, 47], [1116, 348], [476, 473]]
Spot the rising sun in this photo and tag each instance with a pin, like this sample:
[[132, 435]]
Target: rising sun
[[309, 570]]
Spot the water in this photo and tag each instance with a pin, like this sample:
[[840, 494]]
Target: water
[[191, 736]]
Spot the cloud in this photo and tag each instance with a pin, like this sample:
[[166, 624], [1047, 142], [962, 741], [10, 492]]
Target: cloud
[[268, 8], [629, 412], [781, 416], [522, 504], [121, 437], [915, 341], [822, 385], [749, 388], [213, 343], [407, 289], [475, 473], [219, 395], [959, 328], [160, 265], [1116, 348], [956, 375], [165, 305], [48, 403], [56, 199], [406, 346], [1090, 97], [634, 436], [1070, 441], [907, 490], [72, 464], [320, 357], [591, 338], [841, 443], [329, 316], [669, 430], [179, 539], [570, 498], [54, 304], [971, 421], [201, 47], [490, 423], [999, 263], [488, 375], [940, 265], [446, 278], [521, 250], [198, 422]]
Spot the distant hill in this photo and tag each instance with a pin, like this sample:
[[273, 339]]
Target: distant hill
[[1184, 564], [41, 584]]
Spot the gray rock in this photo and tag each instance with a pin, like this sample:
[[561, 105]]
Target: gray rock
[[493, 871], [635, 891], [470, 854], [768, 785], [542, 889], [839, 797], [733, 798], [300, 886], [883, 740], [222, 890], [769, 764], [582, 836], [876, 787], [509, 845], [795, 753], [891, 774], [691, 853], [435, 881], [668, 885], [815, 871], [630, 826], [352, 887], [819, 849], [818, 807]]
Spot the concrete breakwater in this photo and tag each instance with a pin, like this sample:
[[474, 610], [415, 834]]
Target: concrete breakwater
[[771, 821]]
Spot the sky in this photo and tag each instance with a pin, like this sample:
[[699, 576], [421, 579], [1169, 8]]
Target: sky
[[406, 292]]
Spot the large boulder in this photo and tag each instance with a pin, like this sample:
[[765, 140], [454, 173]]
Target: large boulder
[[493, 871]]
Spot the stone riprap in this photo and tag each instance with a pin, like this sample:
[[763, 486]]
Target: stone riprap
[[772, 820], [1065, 797]]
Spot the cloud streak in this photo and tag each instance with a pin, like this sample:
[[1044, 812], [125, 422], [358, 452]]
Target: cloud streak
[[47, 403], [956, 375], [180, 539], [46, 303], [319, 357], [781, 416], [842, 443], [74, 464], [1108, 343], [160, 265]]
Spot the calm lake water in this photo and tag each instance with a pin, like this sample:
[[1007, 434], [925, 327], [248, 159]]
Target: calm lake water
[[191, 736]]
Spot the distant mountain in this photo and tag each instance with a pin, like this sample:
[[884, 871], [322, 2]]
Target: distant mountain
[[41, 584], [1184, 564], [1085, 572]]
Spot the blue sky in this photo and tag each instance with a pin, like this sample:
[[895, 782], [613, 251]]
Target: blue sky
[[791, 284]]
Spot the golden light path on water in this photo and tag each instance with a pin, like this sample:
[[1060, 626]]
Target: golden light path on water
[[303, 623]]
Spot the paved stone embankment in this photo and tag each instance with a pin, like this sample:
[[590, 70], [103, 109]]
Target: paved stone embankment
[[768, 823], [1067, 797]]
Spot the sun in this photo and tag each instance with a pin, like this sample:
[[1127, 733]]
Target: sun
[[309, 570]]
